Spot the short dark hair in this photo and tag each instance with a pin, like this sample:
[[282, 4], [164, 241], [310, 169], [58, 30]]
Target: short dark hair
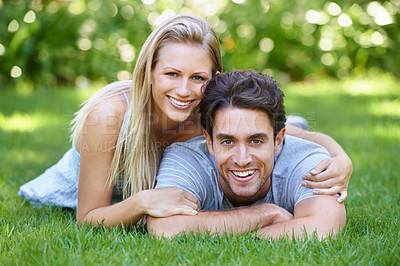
[[243, 89]]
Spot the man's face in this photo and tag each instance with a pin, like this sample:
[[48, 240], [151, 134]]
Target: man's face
[[244, 150]]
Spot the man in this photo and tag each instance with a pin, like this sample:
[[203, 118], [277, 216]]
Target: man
[[246, 173]]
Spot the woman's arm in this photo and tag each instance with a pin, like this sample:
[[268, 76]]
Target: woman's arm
[[97, 140], [331, 176]]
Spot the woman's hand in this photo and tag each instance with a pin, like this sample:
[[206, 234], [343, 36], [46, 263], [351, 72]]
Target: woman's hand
[[330, 176], [164, 202]]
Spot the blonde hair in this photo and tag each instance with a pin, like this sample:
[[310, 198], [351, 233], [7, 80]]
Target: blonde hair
[[136, 155]]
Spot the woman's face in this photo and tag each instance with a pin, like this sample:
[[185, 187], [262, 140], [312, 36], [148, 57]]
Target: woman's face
[[177, 80]]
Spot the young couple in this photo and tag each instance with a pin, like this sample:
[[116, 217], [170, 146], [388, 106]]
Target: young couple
[[116, 185]]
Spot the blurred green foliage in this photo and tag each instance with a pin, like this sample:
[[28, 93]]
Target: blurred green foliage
[[75, 42]]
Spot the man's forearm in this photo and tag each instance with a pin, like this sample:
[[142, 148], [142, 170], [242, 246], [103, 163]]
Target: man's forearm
[[239, 221], [322, 215]]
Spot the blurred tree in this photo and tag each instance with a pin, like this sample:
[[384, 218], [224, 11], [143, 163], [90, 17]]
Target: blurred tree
[[75, 42]]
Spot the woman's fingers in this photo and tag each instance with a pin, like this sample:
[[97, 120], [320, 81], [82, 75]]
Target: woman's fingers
[[343, 196], [320, 185], [327, 191], [322, 166], [191, 197], [184, 210], [331, 176]]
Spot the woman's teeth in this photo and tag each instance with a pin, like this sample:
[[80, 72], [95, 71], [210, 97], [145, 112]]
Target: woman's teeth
[[179, 102]]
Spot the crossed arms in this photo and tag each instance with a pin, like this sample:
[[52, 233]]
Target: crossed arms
[[321, 214]]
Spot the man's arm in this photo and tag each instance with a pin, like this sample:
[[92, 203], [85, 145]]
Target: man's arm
[[239, 220], [330, 176], [321, 214]]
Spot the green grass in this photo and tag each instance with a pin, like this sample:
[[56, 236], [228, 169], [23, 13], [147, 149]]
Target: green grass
[[362, 115]]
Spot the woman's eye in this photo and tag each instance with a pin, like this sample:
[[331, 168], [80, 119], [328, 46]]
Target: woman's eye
[[171, 74], [198, 78]]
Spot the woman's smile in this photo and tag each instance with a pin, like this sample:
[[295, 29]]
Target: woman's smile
[[180, 104]]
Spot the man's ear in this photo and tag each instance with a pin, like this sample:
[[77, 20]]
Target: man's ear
[[209, 142], [279, 141]]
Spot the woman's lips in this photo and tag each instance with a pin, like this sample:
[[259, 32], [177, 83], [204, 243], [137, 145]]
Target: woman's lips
[[179, 103]]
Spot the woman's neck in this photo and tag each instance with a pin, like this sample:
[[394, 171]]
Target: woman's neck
[[168, 131]]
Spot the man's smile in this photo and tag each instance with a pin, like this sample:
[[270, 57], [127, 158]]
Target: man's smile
[[243, 175]]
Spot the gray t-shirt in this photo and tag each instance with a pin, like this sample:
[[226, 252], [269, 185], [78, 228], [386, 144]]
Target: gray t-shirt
[[190, 166]]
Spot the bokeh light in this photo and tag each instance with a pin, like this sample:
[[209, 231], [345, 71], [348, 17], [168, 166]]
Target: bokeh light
[[16, 72], [30, 16], [2, 49], [344, 20], [13, 26], [266, 45], [317, 17], [380, 14], [334, 9], [58, 41], [84, 44], [124, 75]]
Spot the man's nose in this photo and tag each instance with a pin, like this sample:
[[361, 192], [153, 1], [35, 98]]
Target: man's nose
[[182, 88], [242, 156]]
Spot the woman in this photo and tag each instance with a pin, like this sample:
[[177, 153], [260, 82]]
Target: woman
[[120, 133]]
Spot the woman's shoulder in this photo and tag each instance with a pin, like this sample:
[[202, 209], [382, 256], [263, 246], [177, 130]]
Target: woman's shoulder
[[106, 111]]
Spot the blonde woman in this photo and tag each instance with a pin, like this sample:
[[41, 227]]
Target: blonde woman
[[121, 131]]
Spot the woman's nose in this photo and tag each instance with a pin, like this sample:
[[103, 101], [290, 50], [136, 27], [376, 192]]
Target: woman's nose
[[182, 89]]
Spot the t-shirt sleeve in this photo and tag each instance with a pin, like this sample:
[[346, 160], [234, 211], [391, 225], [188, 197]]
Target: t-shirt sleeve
[[187, 169], [300, 192]]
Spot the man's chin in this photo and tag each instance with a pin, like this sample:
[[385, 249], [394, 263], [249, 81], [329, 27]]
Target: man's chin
[[242, 199]]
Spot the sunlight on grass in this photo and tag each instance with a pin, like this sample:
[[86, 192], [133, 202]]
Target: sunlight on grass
[[27, 122], [388, 132], [26, 156], [373, 85], [386, 108]]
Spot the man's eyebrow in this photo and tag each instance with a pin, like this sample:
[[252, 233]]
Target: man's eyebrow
[[259, 135], [224, 136]]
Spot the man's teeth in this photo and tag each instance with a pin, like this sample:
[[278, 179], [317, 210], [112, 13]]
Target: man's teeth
[[179, 102], [244, 173]]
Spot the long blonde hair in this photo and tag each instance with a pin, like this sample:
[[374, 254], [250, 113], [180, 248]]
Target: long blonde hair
[[136, 155]]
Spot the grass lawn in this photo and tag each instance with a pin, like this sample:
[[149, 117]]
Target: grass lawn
[[362, 115]]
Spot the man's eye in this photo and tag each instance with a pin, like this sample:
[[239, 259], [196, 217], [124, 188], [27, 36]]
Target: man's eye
[[227, 142], [256, 141]]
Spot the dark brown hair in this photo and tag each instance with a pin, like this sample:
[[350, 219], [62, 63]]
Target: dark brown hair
[[246, 90]]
